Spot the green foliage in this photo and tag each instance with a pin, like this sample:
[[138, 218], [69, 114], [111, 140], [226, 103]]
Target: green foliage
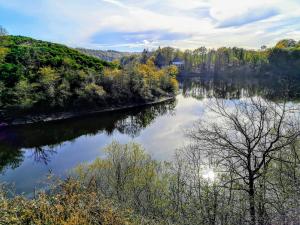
[[37, 75], [285, 59], [129, 176], [202, 60]]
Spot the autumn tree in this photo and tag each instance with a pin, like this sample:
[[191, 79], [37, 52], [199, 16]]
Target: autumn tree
[[286, 43]]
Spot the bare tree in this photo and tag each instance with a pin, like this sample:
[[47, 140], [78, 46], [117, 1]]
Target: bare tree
[[243, 139], [3, 31]]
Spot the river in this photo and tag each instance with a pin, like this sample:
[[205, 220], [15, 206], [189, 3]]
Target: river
[[29, 153]]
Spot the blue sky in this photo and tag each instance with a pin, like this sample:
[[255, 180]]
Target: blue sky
[[131, 25]]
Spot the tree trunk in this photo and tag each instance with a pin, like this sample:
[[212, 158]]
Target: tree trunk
[[252, 200]]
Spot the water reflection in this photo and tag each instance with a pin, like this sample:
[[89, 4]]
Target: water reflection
[[274, 88], [9, 157], [45, 138], [27, 153]]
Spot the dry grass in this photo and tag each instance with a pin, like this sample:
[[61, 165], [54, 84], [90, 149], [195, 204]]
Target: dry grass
[[68, 204]]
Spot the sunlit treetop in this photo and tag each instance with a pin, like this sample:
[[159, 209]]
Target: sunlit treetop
[[287, 43]]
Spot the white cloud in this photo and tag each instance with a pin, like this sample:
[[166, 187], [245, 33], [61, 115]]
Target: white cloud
[[223, 10], [214, 23]]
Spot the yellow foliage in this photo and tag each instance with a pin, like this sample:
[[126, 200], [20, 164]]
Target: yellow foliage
[[94, 89], [73, 205], [172, 71], [174, 84], [48, 75], [3, 52], [68, 61], [147, 79], [151, 73], [111, 72], [82, 75]]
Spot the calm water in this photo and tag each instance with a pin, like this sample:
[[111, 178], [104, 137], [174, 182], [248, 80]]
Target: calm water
[[29, 153]]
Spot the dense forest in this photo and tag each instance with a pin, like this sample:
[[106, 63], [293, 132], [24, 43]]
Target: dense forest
[[37, 75], [282, 58]]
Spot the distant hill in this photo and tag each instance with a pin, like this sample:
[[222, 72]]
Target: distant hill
[[109, 55]]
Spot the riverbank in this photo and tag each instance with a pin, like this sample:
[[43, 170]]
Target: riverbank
[[30, 119]]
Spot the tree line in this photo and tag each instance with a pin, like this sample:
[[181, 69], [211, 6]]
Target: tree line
[[203, 60]]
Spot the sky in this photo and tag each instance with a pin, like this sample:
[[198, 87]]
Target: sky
[[132, 25]]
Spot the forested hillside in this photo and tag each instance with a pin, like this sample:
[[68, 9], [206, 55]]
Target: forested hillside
[[37, 75], [109, 55]]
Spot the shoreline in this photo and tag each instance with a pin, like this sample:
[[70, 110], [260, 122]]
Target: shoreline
[[44, 118]]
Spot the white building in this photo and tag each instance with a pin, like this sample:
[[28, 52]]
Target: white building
[[178, 62]]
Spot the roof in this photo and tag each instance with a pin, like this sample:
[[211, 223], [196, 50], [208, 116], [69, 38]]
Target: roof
[[177, 60]]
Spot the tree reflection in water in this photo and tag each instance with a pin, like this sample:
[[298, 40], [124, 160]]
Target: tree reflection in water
[[9, 158], [43, 155], [233, 86], [44, 138]]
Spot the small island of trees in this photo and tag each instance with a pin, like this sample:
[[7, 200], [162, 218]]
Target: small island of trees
[[38, 76]]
